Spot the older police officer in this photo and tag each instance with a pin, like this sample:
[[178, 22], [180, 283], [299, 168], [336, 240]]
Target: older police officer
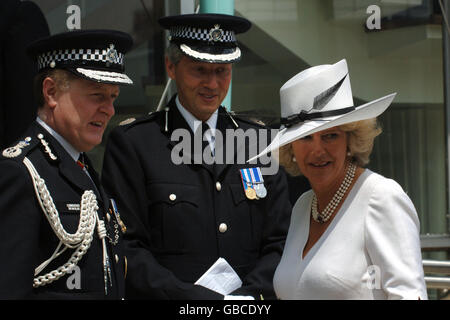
[[59, 236], [182, 217]]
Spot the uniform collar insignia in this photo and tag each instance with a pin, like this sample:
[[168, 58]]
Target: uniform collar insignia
[[15, 151]]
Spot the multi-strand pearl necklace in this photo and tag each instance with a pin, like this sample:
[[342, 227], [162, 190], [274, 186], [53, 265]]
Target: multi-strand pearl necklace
[[325, 215]]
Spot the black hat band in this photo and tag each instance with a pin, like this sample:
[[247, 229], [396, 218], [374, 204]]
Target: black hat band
[[215, 34], [317, 116], [108, 56]]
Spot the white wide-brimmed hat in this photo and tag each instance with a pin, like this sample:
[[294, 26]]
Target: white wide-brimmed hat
[[320, 98]]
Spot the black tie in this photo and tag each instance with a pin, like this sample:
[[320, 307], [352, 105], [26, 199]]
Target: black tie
[[83, 163], [201, 135]]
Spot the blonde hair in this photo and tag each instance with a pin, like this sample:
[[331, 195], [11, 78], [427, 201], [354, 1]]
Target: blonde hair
[[360, 139]]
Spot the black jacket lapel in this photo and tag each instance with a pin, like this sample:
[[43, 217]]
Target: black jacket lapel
[[95, 178], [224, 123]]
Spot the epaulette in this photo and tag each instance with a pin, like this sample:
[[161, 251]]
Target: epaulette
[[131, 122], [254, 121], [20, 149], [251, 120], [127, 121]]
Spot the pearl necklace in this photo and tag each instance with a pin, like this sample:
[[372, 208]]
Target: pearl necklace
[[325, 215]]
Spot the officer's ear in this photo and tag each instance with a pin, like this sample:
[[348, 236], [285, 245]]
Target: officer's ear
[[170, 68], [49, 92]]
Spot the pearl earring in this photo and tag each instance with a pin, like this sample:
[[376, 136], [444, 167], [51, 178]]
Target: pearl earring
[[293, 159], [349, 154]]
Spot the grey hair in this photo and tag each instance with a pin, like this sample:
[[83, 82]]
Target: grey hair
[[174, 53], [62, 77]]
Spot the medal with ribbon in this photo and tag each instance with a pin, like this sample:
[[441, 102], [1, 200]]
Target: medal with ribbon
[[249, 191], [117, 215], [258, 182]]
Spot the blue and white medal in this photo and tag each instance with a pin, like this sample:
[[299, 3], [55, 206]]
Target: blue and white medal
[[258, 182]]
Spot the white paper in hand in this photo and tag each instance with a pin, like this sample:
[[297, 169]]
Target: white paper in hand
[[220, 277]]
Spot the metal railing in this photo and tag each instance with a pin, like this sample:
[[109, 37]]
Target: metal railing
[[435, 242], [440, 268]]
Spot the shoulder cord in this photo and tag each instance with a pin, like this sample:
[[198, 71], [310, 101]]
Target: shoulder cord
[[80, 240]]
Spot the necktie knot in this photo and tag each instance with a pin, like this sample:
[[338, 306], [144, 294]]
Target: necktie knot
[[81, 162], [205, 127], [201, 130], [204, 135]]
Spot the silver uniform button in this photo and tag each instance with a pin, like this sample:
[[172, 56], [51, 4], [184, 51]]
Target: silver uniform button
[[223, 227], [108, 217], [173, 197], [117, 258], [218, 186]]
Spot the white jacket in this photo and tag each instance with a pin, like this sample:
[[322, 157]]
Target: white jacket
[[370, 250]]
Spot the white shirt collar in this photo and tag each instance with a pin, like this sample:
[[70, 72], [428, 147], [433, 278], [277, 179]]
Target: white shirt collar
[[74, 153], [192, 121]]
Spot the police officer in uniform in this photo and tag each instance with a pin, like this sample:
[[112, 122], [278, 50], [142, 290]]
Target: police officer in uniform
[[182, 217], [60, 235]]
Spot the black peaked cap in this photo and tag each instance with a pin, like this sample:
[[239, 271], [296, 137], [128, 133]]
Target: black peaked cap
[[207, 20], [97, 55], [208, 37]]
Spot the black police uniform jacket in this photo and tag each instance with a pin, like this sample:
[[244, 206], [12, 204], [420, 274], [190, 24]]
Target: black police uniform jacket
[[173, 213], [27, 239]]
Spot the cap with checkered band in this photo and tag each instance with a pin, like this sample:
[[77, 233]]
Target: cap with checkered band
[[207, 37], [97, 55]]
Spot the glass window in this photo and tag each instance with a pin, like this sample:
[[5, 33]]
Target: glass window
[[404, 56]]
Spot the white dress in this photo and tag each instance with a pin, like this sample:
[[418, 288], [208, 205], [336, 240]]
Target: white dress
[[370, 250]]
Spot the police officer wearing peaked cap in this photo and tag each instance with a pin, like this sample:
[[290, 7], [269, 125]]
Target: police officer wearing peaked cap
[[60, 236], [182, 217]]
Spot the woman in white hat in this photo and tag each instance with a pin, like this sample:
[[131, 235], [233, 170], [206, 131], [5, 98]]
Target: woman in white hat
[[355, 235]]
